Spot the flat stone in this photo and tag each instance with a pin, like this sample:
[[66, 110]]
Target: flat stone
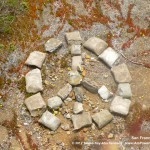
[[124, 90], [77, 107], [109, 56], [96, 45], [54, 102], [64, 92], [35, 104], [79, 94], [50, 121], [74, 78], [102, 118], [90, 85], [120, 106], [76, 62], [52, 44], [34, 81], [4, 134], [105, 93], [121, 73], [75, 50], [36, 58], [81, 120], [73, 37]]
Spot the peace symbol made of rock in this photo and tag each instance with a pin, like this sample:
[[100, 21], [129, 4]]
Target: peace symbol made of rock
[[120, 103]]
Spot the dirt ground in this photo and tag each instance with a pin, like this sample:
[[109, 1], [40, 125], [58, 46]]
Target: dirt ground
[[125, 26]]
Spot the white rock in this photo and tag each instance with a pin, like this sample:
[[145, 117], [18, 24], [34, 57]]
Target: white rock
[[52, 44], [77, 107], [76, 62], [54, 102], [73, 37], [105, 93], [35, 104], [120, 105], [95, 45], [109, 56], [36, 58], [64, 92], [124, 90], [34, 81], [50, 121], [75, 50]]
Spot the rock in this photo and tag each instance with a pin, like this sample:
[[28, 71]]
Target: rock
[[109, 56], [73, 37], [102, 118], [81, 120], [68, 99], [124, 90], [34, 81], [90, 85], [76, 62], [64, 92], [75, 50], [105, 93], [4, 134], [35, 104], [52, 44], [65, 127], [50, 121], [95, 45], [77, 107], [54, 102], [36, 59], [121, 73], [74, 78], [68, 116], [110, 136], [79, 94], [120, 105], [15, 144]]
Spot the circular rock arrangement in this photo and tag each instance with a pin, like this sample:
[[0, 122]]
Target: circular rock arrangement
[[120, 101]]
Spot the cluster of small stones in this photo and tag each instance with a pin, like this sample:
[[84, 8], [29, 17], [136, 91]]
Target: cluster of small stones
[[120, 101]]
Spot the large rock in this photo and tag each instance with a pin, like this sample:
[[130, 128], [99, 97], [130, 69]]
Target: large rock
[[81, 120], [75, 50], [95, 45], [3, 134], [124, 90], [79, 94], [64, 92], [109, 56], [77, 107], [90, 85], [52, 44], [35, 104], [34, 81], [50, 121], [54, 102], [73, 37], [121, 73], [36, 59], [74, 78], [102, 118], [120, 106], [76, 62]]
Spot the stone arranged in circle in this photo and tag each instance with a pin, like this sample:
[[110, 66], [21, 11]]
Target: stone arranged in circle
[[35, 104], [54, 102], [102, 118], [50, 121], [76, 62], [75, 50], [52, 44], [96, 45], [34, 81], [77, 107], [121, 73], [36, 58], [81, 120], [109, 56], [120, 106], [73, 37]]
